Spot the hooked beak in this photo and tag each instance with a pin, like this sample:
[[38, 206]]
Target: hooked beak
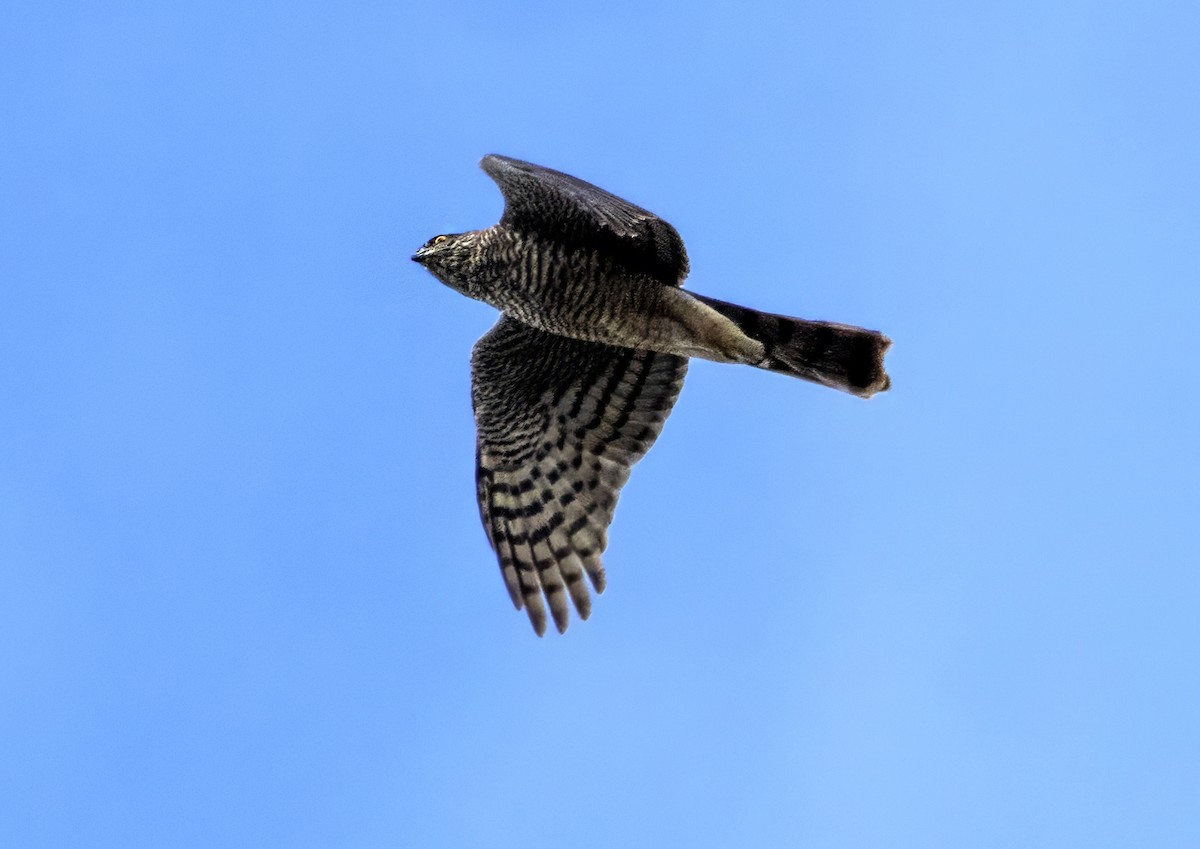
[[419, 256]]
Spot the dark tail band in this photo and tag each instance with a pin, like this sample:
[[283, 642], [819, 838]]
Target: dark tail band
[[837, 355]]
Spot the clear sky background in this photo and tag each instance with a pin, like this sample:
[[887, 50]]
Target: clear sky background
[[245, 600]]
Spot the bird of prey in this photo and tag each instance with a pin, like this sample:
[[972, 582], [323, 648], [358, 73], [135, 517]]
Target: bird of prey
[[572, 385]]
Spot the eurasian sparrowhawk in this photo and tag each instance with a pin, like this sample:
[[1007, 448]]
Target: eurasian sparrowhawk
[[573, 384]]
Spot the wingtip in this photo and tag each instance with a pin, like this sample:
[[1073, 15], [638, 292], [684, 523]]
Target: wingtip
[[595, 572], [492, 160], [494, 163]]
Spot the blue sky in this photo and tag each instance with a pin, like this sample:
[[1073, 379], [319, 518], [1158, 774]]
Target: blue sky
[[244, 596]]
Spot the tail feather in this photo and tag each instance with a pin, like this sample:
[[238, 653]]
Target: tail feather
[[837, 355]]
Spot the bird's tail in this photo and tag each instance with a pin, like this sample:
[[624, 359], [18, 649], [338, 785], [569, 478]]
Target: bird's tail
[[838, 355]]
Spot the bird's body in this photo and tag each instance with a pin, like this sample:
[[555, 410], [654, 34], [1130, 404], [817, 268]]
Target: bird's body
[[584, 293], [572, 385]]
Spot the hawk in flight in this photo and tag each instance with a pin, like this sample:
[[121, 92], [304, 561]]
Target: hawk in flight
[[572, 385]]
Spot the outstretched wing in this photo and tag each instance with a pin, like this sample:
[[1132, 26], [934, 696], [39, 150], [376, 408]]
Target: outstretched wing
[[560, 424], [564, 208]]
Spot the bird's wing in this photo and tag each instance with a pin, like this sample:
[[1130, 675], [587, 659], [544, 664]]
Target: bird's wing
[[560, 424], [564, 208]]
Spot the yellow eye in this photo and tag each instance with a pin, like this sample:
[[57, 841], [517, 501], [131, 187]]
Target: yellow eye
[[439, 239]]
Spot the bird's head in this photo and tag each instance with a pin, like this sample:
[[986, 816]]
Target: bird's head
[[453, 259]]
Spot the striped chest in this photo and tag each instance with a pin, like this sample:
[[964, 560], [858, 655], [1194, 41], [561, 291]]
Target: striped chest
[[553, 287]]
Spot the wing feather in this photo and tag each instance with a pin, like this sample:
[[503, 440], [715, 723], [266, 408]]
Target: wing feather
[[561, 422], [566, 209]]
